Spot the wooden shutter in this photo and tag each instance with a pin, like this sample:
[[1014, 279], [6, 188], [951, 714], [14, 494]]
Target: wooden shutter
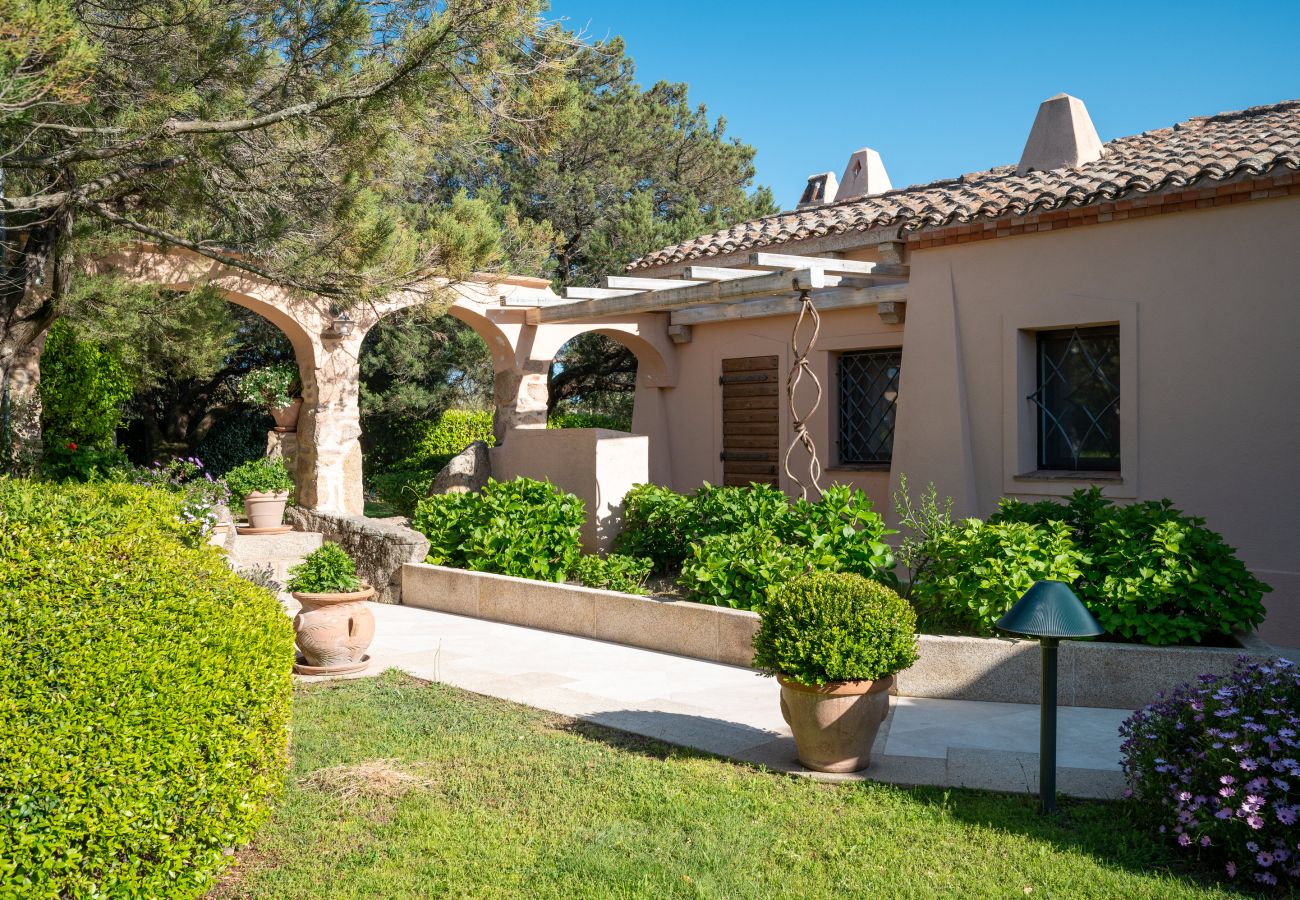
[[751, 397]]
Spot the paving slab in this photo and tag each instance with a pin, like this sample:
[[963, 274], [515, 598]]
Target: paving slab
[[733, 711]]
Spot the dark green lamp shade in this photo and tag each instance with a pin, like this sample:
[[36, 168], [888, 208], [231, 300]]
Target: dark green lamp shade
[[1050, 609]]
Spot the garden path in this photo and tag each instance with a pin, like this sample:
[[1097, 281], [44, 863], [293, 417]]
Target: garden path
[[733, 712]]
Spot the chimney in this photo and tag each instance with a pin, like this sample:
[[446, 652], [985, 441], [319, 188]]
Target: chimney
[[820, 189], [1063, 136], [864, 176]]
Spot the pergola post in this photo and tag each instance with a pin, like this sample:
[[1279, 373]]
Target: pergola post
[[329, 429]]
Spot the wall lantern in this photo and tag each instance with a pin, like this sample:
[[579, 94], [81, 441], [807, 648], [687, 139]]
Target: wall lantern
[[1050, 612], [340, 326]]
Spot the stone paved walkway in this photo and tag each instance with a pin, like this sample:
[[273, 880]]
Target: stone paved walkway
[[734, 712]]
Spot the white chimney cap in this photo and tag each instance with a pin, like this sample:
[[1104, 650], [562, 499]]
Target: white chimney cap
[[1063, 136], [821, 188], [864, 176]]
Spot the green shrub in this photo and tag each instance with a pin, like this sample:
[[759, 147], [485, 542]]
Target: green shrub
[[327, 570], [615, 572], [590, 420], [236, 439], [978, 570], [271, 387], [1154, 574], [728, 540], [656, 522], [265, 475], [401, 487], [76, 462], [144, 696], [740, 569], [523, 527], [454, 430], [843, 533], [84, 391], [835, 627]]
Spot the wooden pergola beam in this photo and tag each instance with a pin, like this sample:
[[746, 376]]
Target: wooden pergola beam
[[834, 298], [717, 292]]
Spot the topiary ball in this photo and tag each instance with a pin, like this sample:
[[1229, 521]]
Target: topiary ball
[[826, 627]]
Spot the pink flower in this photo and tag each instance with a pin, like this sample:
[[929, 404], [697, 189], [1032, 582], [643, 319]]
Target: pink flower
[[1231, 868]]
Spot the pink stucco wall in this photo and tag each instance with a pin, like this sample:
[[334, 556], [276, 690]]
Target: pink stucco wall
[[1208, 304]]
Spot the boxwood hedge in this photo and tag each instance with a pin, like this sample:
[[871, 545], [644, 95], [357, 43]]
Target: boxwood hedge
[[144, 696]]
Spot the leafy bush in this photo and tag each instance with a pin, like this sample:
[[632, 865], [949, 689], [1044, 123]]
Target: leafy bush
[[729, 541], [829, 627], [327, 570], [403, 487], [978, 570], [454, 430], [144, 696], [614, 572], [270, 387], [236, 439], [523, 527], [1154, 574], [1214, 767], [265, 475], [74, 462], [842, 532], [656, 522], [84, 390], [740, 569], [590, 420]]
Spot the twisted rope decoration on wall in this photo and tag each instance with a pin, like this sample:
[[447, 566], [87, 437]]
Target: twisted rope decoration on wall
[[801, 367]]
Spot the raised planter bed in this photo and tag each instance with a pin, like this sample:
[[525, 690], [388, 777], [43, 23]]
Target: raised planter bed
[[1095, 673]]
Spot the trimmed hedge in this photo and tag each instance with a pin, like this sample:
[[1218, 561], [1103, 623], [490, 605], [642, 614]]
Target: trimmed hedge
[[838, 626], [144, 695], [454, 430]]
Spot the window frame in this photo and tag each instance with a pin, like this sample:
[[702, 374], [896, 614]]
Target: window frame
[[1045, 460], [881, 462], [1019, 324]]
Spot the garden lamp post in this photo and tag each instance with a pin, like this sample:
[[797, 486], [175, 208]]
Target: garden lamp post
[[1049, 611]]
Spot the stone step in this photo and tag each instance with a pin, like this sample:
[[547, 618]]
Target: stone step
[[290, 545], [280, 552]]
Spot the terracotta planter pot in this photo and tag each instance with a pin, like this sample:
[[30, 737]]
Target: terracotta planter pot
[[265, 509], [286, 417], [835, 724], [334, 631]]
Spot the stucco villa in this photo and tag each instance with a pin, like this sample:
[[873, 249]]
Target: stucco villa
[[1123, 314]]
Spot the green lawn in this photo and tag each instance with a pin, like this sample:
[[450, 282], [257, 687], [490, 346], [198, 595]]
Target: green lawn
[[504, 801]]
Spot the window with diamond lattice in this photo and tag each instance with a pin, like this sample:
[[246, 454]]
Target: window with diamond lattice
[[1078, 399], [868, 392]]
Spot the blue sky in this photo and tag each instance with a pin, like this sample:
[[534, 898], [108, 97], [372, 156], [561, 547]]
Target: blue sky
[[940, 89]]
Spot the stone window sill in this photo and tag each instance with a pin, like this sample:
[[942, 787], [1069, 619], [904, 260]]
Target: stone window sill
[[859, 467], [1069, 475]]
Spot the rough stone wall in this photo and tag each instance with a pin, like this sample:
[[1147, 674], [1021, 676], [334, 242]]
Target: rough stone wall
[[380, 546]]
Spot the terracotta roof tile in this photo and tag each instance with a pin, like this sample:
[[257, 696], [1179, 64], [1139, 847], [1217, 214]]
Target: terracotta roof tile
[[1247, 142]]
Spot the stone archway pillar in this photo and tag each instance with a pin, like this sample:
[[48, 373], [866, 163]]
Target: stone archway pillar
[[329, 427], [520, 395]]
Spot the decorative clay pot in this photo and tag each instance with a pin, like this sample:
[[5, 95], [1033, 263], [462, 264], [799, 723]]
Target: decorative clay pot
[[333, 632], [286, 417], [265, 509], [835, 724]]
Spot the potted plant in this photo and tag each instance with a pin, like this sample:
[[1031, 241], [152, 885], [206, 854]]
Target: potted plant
[[263, 486], [273, 387], [834, 642], [335, 626]]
